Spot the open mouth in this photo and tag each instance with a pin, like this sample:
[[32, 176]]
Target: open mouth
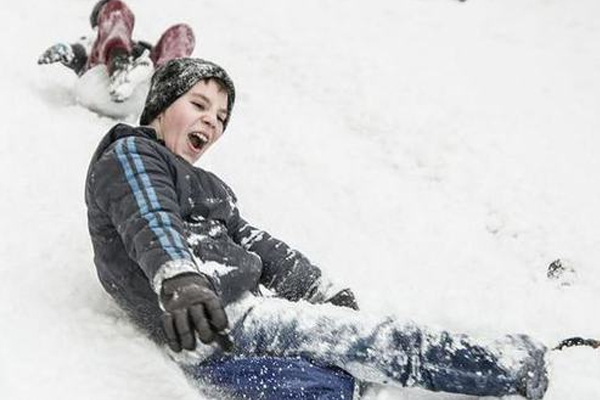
[[198, 140]]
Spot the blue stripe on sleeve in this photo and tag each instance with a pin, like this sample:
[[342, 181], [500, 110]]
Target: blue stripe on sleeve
[[154, 203], [152, 219]]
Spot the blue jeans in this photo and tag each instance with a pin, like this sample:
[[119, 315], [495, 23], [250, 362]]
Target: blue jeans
[[381, 350]]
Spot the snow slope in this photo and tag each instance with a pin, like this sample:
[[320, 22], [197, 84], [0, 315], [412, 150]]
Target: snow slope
[[436, 155]]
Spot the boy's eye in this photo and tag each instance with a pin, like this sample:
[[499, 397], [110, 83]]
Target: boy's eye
[[221, 119], [198, 105]]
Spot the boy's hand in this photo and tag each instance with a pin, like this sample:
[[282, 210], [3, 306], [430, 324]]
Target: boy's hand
[[59, 52], [191, 306]]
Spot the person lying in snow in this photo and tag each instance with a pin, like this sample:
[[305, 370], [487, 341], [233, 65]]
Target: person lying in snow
[[114, 47], [172, 248]]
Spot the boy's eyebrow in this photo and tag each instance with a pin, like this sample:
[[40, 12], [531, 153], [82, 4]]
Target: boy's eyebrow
[[203, 97]]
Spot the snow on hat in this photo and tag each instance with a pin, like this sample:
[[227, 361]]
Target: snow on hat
[[175, 78]]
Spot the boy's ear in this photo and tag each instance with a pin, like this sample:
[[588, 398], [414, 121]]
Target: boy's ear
[[156, 124]]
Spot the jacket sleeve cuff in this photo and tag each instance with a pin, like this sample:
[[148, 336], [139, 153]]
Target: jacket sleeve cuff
[[171, 269]]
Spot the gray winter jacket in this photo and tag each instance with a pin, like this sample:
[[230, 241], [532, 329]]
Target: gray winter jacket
[[152, 215]]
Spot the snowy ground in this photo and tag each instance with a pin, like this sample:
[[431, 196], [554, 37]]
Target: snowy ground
[[436, 155]]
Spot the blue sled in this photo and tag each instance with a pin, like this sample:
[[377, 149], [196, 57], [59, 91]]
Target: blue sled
[[272, 378]]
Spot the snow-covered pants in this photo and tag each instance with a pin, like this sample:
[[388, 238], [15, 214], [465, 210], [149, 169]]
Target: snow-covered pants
[[380, 350], [115, 26]]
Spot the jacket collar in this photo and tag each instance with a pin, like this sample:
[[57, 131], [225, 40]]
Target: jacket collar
[[121, 131]]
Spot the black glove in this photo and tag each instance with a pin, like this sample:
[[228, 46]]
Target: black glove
[[59, 52], [191, 306], [343, 298]]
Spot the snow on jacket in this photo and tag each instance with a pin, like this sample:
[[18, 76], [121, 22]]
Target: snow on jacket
[[152, 215]]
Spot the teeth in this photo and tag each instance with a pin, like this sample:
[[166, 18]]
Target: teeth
[[198, 139]]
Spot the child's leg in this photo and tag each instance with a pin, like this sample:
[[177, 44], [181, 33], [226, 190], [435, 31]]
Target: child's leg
[[387, 351], [178, 41], [115, 25]]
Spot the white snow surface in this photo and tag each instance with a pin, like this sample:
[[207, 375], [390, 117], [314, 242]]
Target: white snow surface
[[435, 155]]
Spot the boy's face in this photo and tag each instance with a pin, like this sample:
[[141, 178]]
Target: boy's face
[[194, 121]]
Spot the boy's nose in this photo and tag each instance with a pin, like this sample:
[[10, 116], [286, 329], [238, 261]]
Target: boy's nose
[[210, 120]]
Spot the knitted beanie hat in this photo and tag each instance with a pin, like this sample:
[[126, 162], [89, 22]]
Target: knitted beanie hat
[[175, 78]]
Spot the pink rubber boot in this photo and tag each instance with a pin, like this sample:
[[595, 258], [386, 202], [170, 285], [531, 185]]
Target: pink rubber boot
[[178, 41], [115, 25]]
